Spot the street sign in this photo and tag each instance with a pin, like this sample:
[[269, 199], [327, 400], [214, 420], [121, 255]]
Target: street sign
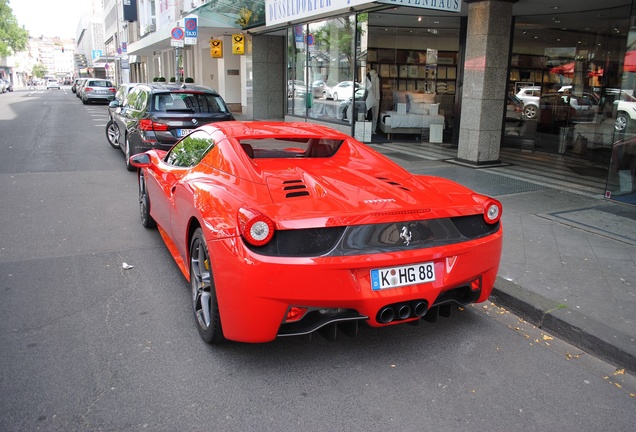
[[191, 31], [177, 33], [177, 37]]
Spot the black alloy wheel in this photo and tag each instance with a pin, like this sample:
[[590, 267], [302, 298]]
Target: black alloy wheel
[[204, 302]]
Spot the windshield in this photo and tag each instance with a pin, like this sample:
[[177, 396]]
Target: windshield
[[289, 147], [189, 102]]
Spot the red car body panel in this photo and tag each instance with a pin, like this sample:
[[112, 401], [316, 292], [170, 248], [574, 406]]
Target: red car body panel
[[355, 186]]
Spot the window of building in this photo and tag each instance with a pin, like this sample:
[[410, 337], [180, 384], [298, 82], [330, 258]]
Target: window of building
[[320, 71]]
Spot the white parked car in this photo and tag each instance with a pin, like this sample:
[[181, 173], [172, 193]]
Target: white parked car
[[530, 97], [51, 83], [625, 111], [343, 90]]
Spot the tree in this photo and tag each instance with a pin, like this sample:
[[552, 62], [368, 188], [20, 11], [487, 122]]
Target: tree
[[13, 38], [39, 70]]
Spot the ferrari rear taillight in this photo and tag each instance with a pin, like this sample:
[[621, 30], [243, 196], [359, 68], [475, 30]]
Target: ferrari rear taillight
[[492, 211], [492, 208], [149, 125], [256, 228]]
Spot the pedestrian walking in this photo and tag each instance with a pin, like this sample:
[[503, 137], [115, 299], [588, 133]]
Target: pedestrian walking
[[31, 84]]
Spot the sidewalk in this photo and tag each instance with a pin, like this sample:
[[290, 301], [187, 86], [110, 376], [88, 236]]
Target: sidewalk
[[569, 259]]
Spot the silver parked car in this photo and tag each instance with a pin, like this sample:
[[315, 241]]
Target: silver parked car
[[98, 90]]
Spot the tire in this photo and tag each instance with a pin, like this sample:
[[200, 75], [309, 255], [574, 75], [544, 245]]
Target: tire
[[324, 96], [622, 122], [335, 96], [84, 101], [204, 302], [530, 111], [128, 154], [144, 202], [112, 134]]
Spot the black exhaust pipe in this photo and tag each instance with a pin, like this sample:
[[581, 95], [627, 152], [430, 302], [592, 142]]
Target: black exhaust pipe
[[420, 308], [403, 311], [386, 315]]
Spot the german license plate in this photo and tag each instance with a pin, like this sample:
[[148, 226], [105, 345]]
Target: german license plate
[[183, 132], [393, 277]]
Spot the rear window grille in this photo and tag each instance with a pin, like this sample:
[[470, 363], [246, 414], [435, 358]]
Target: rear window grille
[[394, 183], [297, 186]]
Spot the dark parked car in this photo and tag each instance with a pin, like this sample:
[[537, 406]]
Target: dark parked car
[[76, 82], [98, 90], [112, 131], [158, 115]]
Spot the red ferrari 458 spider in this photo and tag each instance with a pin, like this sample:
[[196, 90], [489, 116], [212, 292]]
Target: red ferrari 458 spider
[[288, 228]]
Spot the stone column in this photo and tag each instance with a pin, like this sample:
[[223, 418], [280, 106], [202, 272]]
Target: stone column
[[485, 80]]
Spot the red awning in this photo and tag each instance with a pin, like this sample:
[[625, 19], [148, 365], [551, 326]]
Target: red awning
[[630, 62], [565, 69]]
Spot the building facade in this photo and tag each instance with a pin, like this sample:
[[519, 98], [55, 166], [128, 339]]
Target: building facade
[[360, 66]]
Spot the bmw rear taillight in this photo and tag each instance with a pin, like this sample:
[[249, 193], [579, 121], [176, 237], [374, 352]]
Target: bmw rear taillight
[[113, 90], [492, 211], [88, 89], [149, 125], [256, 228]]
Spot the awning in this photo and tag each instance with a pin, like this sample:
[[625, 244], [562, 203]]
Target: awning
[[629, 64], [104, 59], [237, 14], [565, 69]]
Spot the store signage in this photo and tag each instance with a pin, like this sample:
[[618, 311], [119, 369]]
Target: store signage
[[216, 48], [130, 10], [283, 11], [442, 5], [238, 43]]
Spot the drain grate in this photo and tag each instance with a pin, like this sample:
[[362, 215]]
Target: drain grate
[[403, 156], [480, 181]]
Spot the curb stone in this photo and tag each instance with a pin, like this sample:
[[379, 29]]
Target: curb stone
[[573, 327]]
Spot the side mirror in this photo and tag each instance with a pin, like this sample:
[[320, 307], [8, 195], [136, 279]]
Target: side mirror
[[140, 160], [113, 104]]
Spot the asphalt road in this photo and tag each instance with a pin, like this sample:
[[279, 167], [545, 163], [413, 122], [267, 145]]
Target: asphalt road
[[87, 345]]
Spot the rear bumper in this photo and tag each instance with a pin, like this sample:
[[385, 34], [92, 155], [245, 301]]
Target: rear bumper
[[255, 292]]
